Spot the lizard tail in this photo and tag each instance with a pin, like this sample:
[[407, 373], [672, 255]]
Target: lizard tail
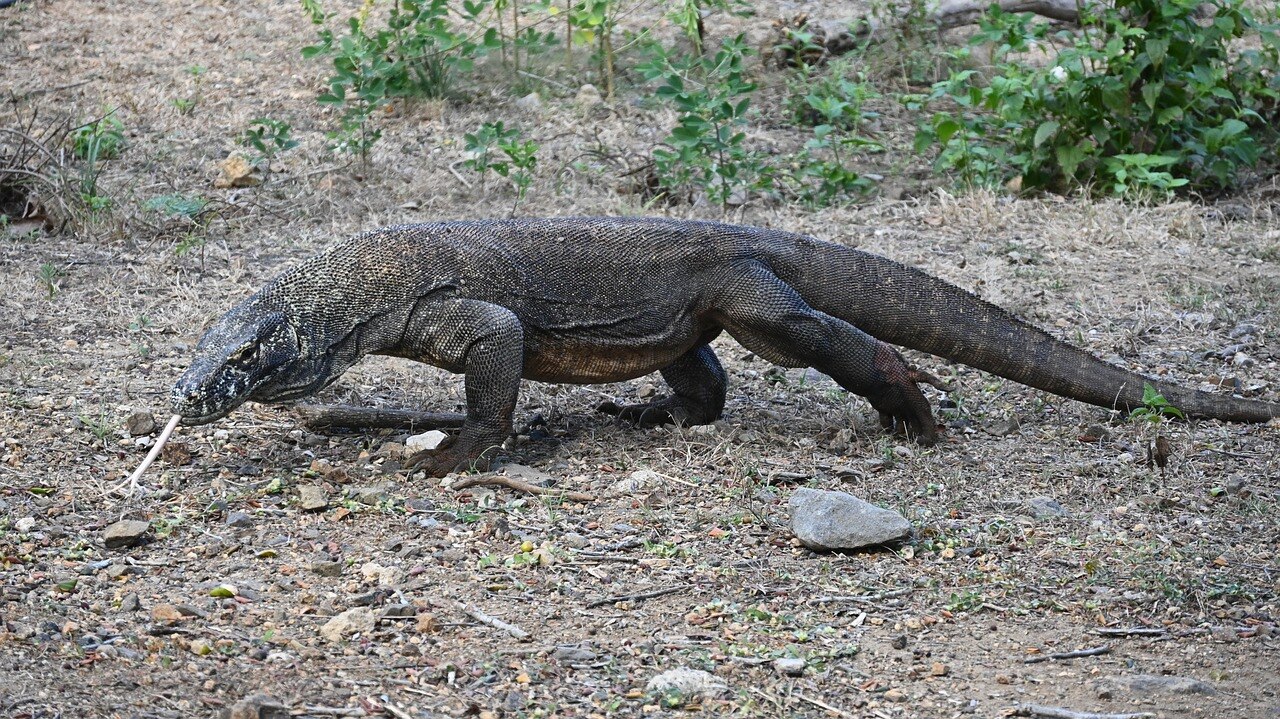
[[904, 306]]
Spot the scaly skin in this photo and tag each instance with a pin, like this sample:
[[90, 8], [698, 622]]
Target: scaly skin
[[606, 299]]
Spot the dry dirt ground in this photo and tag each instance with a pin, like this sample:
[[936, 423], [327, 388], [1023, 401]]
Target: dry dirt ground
[[943, 626]]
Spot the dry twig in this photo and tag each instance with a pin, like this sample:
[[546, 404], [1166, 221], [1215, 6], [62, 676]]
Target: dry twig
[[492, 621], [1091, 652], [132, 481], [1047, 712], [520, 485], [637, 597]]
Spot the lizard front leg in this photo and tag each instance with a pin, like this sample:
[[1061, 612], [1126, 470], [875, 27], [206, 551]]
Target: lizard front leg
[[486, 341]]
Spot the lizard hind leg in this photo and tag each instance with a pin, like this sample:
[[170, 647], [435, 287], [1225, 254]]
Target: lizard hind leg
[[699, 384], [771, 319]]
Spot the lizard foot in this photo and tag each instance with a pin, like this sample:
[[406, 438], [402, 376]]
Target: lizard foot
[[451, 456], [898, 399], [671, 410]]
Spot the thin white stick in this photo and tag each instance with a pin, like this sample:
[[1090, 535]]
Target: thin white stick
[[132, 481]]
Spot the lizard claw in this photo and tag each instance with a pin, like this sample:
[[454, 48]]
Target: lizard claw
[[450, 456]]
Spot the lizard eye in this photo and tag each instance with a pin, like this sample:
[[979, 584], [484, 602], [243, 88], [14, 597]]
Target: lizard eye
[[245, 354]]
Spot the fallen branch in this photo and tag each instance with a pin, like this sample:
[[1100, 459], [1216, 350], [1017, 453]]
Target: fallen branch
[[838, 38], [1092, 652], [637, 597], [1046, 712], [502, 480], [520, 634], [132, 481], [863, 597], [346, 416], [1131, 631], [821, 705]]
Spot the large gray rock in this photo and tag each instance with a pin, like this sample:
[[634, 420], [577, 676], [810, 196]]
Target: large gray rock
[[824, 520], [1137, 684]]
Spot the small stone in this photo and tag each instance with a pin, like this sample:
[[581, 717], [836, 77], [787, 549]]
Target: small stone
[[125, 533], [357, 620], [641, 480], [235, 171], [140, 423], [588, 97], [1046, 507], [130, 603], [530, 102], [938, 669], [573, 655], [533, 476], [239, 519], [24, 525], [200, 647], [683, 684], [1095, 433], [167, 613], [371, 494], [895, 695], [311, 498], [899, 642], [824, 520], [1242, 360], [789, 666], [425, 442], [384, 576], [427, 623], [256, 706], [327, 569]]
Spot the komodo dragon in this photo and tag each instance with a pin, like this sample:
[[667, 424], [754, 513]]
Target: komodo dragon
[[607, 299]]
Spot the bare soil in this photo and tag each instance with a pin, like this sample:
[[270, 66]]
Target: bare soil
[[939, 627]]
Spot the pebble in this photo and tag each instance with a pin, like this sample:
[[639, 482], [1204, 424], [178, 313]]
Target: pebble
[[824, 520], [686, 684], [140, 423], [789, 666], [426, 441], [638, 481], [311, 498], [530, 102], [357, 620], [125, 533], [24, 525], [573, 655], [327, 569], [371, 494], [588, 97], [256, 706], [1046, 507], [239, 519], [130, 603]]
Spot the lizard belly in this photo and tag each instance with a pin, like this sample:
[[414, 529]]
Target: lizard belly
[[613, 354], [588, 364]]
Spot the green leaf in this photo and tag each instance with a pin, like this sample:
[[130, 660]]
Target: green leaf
[[1044, 132], [946, 129], [1157, 49], [223, 591]]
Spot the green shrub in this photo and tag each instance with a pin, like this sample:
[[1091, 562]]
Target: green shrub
[[414, 54], [1148, 97], [707, 146], [516, 163]]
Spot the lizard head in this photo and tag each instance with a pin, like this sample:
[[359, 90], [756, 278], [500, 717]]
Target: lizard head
[[251, 353]]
